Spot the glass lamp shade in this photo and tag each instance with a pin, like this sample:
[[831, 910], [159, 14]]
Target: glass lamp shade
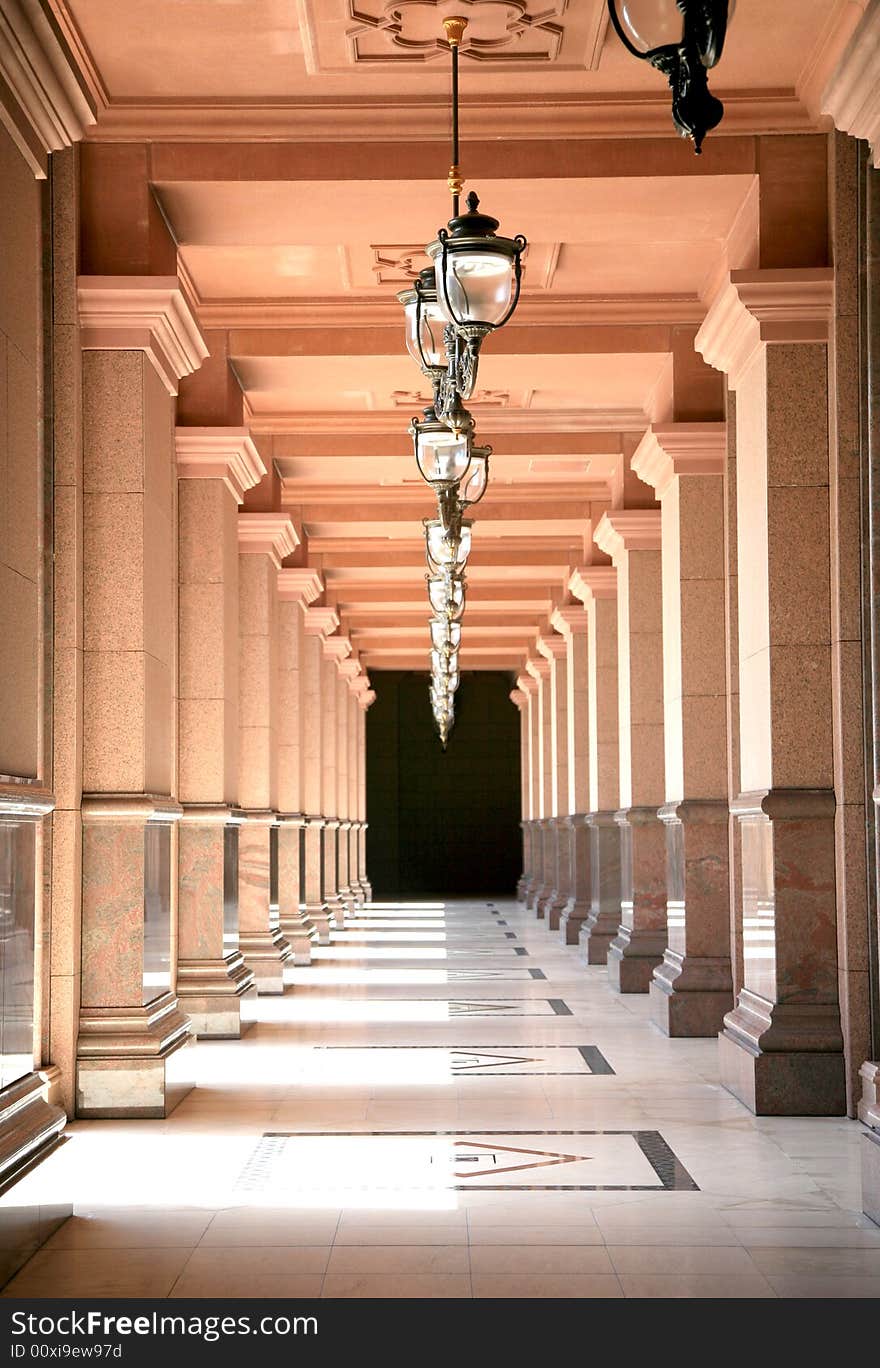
[[478, 283], [473, 485], [424, 323], [446, 596], [444, 550], [476, 273], [445, 635], [442, 456], [646, 25]]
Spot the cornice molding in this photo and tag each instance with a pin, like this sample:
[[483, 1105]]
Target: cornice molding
[[226, 454], [518, 698], [142, 313], [628, 529], [366, 699], [414, 119], [538, 668], [321, 621], [267, 534], [527, 685], [299, 584], [44, 101], [336, 648], [590, 582], [551, 648], [680, 449], [754, 307], [852, 95], [570, 621]]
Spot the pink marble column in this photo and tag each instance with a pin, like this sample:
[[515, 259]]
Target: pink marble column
[[139, 338], [693, 987], [297, 588], [520, 701], [336, 648], [631, 537], [554, 650], [782, 1047], [531, 830], [319, 622], [214, 468], [539, 669], [596, 587], [354, 687], [571, 623], [264, 539], [346, 892], [366, 698]]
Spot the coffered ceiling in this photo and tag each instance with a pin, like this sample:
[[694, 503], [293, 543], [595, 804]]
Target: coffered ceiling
[[298, 150]]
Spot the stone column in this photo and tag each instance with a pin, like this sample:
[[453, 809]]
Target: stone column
[[520, 701], [693, 987], [782, 1047], [139, 338], [366, 698], [554, 651], [572, 623], [345, 890], [596, 587], [264, 539], [631, 537], [539, 669], [214, 468], [531, 831], [318, 623], [335, 648], [297, 587], [354, 688]]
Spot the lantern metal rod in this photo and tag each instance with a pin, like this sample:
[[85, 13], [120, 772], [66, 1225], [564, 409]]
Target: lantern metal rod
[[454, 28]]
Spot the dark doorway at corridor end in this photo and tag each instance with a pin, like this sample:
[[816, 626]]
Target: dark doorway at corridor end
[[443, 823]]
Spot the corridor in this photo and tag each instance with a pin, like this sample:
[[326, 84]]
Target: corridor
[[448, 1103]]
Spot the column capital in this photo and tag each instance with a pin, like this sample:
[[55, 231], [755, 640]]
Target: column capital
[[526, 685], [852, 95], [299, 584], [366, 699], [267, 534], [667, 450], [591, 582], [142, 313], [570, 620], [336, 647], [219, 453], [349, 669], [764, 306], [628, 529], [321, 621], [552, 647], [538, 668], [360, 683], [518, 698]]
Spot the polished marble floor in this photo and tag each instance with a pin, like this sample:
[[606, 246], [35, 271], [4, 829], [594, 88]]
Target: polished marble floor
[[430, 1112]]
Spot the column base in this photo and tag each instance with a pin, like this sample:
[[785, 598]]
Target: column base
[[594, 942], [785, 1080], [632, 958], [299, 933], [522, 885], [133, 1062], [336, 908], [603, 918], [870, 1148], [554, 909], [215, 995], [690, 997], [368, 889], [319, 916], [540, 897], [30, 1129], [265, 953], [571, 921]]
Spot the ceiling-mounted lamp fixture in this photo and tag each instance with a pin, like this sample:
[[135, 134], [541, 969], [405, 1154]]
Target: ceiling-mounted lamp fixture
[[683, 39], [472, 288]]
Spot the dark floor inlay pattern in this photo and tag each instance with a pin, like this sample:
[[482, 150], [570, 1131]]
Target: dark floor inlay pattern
[[485, 1061], [435, 1158]]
